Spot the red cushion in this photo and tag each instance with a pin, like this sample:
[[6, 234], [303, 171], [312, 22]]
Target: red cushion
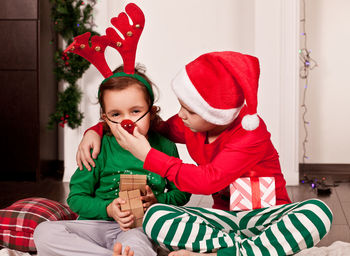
[[18, 221]]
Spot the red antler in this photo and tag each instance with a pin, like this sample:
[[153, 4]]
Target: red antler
[[94, 54], [126, 47]]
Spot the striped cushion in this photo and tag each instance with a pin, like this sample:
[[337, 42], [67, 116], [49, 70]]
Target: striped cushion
[[18, 221]]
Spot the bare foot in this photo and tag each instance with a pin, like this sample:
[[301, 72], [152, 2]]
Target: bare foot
[[188, 253], [118, 248]]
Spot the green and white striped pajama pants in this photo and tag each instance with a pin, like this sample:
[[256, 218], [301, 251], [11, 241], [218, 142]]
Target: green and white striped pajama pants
[[278, 230]]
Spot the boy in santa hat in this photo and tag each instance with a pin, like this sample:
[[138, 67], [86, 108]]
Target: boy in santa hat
[[219, 124]]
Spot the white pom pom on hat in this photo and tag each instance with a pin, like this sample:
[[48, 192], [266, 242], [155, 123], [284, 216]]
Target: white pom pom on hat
[[216, 85], [250, 122]]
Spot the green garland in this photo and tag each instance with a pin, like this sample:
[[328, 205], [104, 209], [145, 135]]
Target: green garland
[[70, 19]]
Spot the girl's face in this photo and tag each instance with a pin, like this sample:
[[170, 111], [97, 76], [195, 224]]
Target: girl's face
[[129, 103], [193, 121]]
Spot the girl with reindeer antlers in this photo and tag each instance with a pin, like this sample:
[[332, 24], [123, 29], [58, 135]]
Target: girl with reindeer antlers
[[219, 124], [126, 97]]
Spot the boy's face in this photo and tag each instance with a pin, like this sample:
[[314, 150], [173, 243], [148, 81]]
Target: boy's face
[[129, 103], [194, 121]]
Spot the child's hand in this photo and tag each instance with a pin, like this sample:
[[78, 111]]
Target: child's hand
[[91, 140], [148, 199], [124, 219], [137, 144]]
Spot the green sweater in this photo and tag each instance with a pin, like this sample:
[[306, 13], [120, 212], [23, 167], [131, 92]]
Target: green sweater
[[92, 191]]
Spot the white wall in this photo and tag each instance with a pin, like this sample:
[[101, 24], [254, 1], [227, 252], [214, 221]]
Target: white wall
[[327, 100], [276, 45], [175, 33]]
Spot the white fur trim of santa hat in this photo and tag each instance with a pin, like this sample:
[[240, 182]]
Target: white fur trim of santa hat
[[188, 94]]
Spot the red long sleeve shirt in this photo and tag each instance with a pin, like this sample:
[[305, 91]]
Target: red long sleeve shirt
[[235, 153]]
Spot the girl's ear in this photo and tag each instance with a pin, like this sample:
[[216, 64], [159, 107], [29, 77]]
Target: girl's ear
[[155, 118], [153, 112], [103, 116]]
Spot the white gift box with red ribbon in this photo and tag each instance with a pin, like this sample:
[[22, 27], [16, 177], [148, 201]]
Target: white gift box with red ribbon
[[250, 193]]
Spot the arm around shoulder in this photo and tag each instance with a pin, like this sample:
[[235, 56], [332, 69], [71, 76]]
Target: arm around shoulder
[[91, 140]]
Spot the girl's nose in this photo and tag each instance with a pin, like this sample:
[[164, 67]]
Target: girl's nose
[[128, 125], [127, 116]]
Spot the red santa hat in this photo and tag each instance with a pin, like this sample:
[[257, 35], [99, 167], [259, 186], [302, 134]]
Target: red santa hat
[[216, 85]]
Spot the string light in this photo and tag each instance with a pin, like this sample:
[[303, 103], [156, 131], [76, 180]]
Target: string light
[[307, 64]]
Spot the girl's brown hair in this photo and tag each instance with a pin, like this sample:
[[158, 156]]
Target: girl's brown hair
[[120, 83]]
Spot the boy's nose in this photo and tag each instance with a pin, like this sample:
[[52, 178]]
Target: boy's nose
[[181, 114]]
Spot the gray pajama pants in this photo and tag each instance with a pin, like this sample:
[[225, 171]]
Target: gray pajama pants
[[88, 237]]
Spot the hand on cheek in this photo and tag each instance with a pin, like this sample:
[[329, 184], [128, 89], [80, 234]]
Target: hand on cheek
[[137, 143]]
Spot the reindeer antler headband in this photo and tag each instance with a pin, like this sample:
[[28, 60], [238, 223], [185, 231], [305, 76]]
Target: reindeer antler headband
[[125, 46]]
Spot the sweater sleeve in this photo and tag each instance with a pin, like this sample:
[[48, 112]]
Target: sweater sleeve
[[81, 198], [228, 165], [98, 128], [173, 195]]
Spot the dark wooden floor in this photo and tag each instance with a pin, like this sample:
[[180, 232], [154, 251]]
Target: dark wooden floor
[[11, 191], [338, 201]]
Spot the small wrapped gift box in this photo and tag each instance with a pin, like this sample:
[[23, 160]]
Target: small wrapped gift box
[[132, 182], [250, 193], [133, 204], [130, 189]]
